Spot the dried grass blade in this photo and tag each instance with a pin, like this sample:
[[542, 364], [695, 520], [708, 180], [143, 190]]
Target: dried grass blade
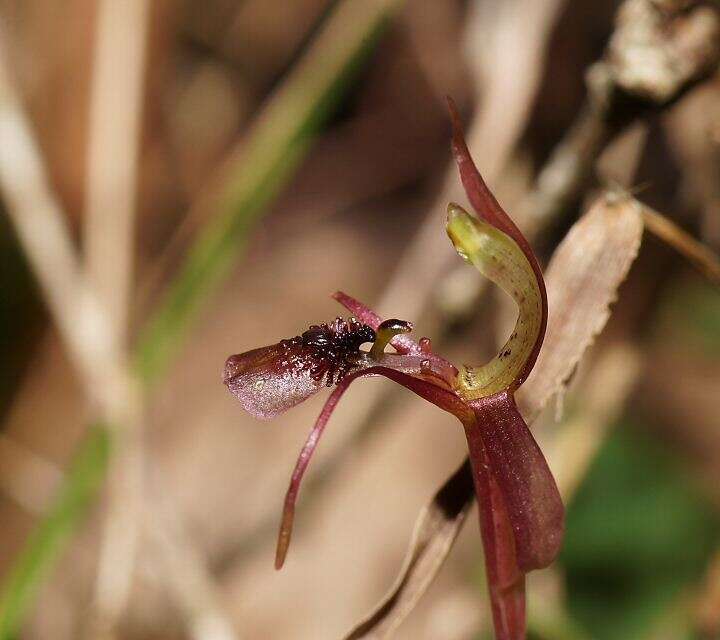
[[700, 256]]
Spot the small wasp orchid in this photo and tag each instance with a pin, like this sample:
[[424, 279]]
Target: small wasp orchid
[[521, 513]]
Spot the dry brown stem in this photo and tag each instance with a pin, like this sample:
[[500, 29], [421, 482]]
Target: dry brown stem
[[111, 193], [698, 254], [655, 55]]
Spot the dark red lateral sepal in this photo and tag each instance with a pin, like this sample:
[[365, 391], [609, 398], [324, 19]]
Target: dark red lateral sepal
[[533, 503]]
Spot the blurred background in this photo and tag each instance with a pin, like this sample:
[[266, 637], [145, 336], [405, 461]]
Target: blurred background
[[220, 169]]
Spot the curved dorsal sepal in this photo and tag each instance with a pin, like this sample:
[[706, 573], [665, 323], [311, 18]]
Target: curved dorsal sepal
[[498, 257]]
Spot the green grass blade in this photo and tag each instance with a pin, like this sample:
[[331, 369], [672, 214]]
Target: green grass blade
[[275, 146], [35, 561]]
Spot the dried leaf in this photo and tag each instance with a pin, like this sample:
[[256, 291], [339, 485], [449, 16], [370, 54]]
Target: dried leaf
[[582, 281], [435, 531]]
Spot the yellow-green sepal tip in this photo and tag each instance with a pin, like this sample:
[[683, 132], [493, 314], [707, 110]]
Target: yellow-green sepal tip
[[499, 258]]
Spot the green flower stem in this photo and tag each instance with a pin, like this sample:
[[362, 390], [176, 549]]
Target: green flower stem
[[35, 561]]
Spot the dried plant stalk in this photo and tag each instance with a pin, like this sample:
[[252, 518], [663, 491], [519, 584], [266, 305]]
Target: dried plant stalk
[[111, 192], [698, 254]]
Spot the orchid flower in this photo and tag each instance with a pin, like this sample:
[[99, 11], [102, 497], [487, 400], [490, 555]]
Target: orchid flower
[[521, 513]]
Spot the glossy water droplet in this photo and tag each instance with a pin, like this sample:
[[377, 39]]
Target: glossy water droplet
[[463, 254]]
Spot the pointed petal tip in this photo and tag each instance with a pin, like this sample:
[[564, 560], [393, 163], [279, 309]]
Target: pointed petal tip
[[456, 216], [288, 514], [452, 108], [455, 210], [283, 542], [306, 453], [458, 130]]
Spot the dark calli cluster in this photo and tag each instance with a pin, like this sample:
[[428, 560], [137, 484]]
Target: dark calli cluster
[[332, 350], [286, 373]]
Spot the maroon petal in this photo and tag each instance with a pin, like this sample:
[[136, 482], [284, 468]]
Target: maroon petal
[[288, 516], [481, 198], [437, 395], [506, 582], [433, 393], [531, 497], [268, 382]]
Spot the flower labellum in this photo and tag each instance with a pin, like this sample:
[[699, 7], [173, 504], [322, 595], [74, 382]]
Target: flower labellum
[[270, 380], [521, 513]]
